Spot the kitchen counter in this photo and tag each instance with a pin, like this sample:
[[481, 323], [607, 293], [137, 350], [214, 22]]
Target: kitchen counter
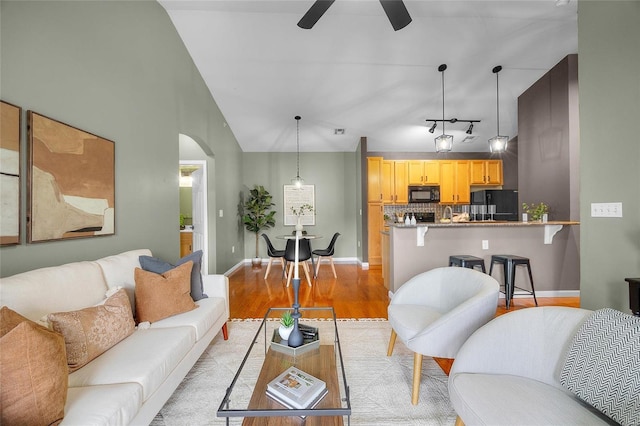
[[484, 223], [552, 248]]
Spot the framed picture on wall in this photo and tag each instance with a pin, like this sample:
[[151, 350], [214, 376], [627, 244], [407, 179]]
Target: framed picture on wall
[[71, 182], [10, 129], [294, 197]]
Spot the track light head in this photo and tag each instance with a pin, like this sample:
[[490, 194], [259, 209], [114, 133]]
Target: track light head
[[470, 129], [433, 128]]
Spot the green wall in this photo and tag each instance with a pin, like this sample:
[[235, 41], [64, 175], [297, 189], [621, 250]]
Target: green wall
[[335, 178], [119, 70], [609, 83]]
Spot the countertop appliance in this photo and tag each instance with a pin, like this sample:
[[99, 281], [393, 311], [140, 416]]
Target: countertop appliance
[[425, 217], [505, 200], [424, 194]]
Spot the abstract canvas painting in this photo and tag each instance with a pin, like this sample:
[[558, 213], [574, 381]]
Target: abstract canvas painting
[[71, 182], [10, 174]]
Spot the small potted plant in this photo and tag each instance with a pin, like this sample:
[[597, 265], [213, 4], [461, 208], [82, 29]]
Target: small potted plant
[[535, 211], [300, 211], [286, 325]]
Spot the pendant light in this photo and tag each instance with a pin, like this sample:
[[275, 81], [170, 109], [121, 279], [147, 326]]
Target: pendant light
[[444, 143], [498, 143], [297, 181]]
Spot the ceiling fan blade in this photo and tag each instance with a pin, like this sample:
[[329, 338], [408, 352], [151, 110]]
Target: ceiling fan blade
[[314, 13], [397, 13]]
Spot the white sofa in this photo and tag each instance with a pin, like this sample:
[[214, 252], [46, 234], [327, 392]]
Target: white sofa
[[509, 371], [129, 383]]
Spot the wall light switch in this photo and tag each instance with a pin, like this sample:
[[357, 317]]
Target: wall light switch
[[606, 209], [485, 244], [220, 213]]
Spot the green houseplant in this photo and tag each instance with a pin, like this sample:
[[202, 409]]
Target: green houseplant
[[535, 211], [286, 325], [257, 215]]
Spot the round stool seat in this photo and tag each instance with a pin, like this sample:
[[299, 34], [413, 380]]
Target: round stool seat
[[467, 261]]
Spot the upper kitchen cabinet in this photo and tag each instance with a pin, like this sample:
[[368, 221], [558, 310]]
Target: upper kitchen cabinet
[[423, 172], [374, 179], [486, 172], [394, 182], [454, 182]]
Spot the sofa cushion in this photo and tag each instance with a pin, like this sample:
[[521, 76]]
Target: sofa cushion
[[33, 372], [601, 366], [160, 296], [118, 270], [201, 319], [115, 404], [496, 399], [91, 331], [146, 357], [159, 266], [45, 290]]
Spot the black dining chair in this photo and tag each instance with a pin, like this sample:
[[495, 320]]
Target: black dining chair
[[328, 252], [273, 254], [304, 254]]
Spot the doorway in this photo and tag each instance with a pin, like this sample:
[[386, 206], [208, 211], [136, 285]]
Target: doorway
[[193, 208]]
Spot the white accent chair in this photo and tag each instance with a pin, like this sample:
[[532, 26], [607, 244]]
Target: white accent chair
[[435, 312]]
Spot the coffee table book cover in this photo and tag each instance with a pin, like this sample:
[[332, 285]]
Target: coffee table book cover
[[296, 389]]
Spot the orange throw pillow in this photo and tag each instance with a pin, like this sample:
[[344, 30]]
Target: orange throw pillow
[[89, 332], [160, 296], [33, 372]]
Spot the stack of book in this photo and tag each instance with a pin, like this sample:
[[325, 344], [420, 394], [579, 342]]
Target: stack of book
[[296, 389]]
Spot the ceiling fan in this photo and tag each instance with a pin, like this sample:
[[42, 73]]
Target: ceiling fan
[[395, 10]]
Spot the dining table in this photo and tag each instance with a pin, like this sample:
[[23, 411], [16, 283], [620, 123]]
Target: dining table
[[292, 236]]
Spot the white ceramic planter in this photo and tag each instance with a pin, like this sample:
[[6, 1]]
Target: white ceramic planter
[[285, 332]]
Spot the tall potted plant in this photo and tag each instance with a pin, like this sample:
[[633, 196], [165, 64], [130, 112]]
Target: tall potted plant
[[257, 216]]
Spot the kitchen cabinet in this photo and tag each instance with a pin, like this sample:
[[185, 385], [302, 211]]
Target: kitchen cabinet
[[454, 182], [486, 172], [423, 172], [374, 179], [186, 243], [394, 182], [375, 216]]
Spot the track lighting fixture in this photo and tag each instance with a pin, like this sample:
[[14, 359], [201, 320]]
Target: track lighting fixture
[[498, 143], [470, 129], [433, 128], [297, 181]]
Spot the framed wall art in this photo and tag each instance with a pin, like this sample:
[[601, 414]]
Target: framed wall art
[[71, 182], [10, 127], [294, 197]]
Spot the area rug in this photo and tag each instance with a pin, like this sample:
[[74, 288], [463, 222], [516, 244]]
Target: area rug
[[380, 386]]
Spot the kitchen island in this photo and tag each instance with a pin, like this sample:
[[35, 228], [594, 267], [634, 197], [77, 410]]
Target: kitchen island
[[552, 248]]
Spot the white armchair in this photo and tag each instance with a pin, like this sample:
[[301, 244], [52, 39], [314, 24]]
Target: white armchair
[[436, 311]]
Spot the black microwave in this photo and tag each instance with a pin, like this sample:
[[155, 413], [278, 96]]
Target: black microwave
[[424, 194]]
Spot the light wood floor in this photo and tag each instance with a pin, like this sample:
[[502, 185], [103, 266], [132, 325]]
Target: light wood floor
[[356, 293]]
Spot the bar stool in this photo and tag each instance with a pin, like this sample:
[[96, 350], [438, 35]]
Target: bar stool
[[467, 261], [509, 263]]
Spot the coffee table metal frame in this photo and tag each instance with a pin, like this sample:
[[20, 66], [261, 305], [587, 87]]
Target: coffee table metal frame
[[345, 410]]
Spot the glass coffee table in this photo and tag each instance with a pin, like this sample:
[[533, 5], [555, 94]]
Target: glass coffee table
[[246, 395]]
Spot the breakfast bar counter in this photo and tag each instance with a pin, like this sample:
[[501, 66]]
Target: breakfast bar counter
[[552, 248]]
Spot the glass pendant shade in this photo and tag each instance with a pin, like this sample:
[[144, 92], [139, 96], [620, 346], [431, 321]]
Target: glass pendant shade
[[498, 143], [444, 143], [297, 182]]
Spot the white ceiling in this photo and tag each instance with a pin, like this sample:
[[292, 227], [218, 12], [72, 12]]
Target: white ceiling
[[352, 71]]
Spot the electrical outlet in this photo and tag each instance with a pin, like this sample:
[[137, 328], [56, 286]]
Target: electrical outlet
[[485, 244], [606, 209]]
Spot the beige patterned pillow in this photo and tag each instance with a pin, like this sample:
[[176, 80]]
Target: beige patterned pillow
[[91, 331]]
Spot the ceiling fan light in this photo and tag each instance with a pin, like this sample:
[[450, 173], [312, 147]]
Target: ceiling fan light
[[444, 143], [498, 143]]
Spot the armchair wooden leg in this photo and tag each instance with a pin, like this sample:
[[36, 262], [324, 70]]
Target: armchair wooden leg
[[459, 421], [417, 371], [392, 342]]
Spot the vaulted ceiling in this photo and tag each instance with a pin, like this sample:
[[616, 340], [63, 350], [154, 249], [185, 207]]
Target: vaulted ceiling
[[352, 71]]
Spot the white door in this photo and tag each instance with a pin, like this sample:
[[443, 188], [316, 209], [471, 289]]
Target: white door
[[199, 194]]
